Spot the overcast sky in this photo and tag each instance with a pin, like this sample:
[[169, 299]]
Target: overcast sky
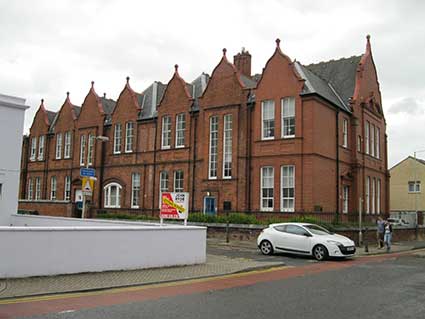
[[50, 47]]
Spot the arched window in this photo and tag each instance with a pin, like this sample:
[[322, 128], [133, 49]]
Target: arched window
[[112, 195]]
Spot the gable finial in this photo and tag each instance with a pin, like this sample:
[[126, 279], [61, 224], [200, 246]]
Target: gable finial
[[368, 49], [224, 51], [127, 79], [104, 95], [176, 67], [278, 43], [42, 101], [92, 84], [67, 95]]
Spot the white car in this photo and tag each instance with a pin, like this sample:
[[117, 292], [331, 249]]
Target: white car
[[304, 239]]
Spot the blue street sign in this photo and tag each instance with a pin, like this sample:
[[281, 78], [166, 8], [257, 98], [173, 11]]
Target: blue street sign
[[87, 172]]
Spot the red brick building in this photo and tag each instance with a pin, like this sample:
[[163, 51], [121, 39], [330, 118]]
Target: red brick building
[[295, 139]]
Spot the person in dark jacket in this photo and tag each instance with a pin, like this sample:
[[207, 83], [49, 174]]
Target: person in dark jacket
[[380, 225], [388, 234]]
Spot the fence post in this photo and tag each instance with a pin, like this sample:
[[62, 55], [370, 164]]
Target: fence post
[[227, 206]]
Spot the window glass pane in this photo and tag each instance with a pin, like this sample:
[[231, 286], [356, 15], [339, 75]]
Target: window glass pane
[[166, 132], [213, 156], [227, 146], [288, 117], [268, 119], [267, 188]]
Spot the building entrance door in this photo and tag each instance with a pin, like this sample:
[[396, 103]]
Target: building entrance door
[[209, 205]]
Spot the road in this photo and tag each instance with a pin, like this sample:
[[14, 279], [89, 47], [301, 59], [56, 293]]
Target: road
[[388, 286]]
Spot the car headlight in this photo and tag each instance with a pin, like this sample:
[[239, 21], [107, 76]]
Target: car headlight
[[334, 242]]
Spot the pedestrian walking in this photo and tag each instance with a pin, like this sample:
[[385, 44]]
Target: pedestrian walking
[[380, 232], [388, 233]]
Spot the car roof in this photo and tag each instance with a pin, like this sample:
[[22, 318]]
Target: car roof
[[283, 224]]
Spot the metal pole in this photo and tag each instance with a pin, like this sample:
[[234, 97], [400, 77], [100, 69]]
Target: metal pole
[[227, 227], [82, 189], [360, 222]]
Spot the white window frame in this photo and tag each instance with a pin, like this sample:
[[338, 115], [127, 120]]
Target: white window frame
[[67, 188], [359, 143], [416, 186], [179, 181], [90, 149], [227, 146], [129, 137], [41, 141], [287, 182], [213, 148], [367, 195], [163, 184], [37, 188], [180, 129], [378, 196], [117, 138], [83, 141], [345, 133], [264, 104], [107, 195], [53, 188], [262, 207], [345, 198], [67, 145], [288, 115], [30, 192], [58, 145], [33, 148], [135, 190], [373, 198], [367, 131], [377, 141], [372, 140], [166, 132]]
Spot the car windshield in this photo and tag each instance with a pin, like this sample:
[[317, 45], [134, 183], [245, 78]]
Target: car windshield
[[317, 230]]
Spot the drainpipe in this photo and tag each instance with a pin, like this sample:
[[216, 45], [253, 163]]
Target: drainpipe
[[154, 167], [46, 163], [195, 137], [337, 165], [249, 148]]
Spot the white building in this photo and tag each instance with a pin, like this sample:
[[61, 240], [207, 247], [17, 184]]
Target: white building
[[12, 111]]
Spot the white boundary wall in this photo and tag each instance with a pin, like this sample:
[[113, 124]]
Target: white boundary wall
[[38, 251]]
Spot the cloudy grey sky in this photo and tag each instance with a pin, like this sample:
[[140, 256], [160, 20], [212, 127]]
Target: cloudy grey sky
[[50, 47]]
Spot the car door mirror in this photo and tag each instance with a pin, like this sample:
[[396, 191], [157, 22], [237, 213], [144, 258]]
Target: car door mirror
[[308, 234]]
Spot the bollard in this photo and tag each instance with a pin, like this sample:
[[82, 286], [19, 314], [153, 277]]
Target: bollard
[[227, 206], [366, 244]]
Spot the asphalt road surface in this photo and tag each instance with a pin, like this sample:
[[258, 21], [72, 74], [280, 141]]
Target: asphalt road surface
[[388, 286]]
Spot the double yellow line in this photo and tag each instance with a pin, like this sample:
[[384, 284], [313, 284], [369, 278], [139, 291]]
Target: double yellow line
[[133, 288]]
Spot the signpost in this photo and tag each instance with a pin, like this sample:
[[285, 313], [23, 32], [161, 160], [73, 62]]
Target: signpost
[[87, 172], [174, 206], [87, 183]]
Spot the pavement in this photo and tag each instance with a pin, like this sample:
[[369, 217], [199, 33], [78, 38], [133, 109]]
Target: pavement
[[222, 259]]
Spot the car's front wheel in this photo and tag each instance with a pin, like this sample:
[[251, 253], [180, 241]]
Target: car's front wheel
[[320, 252], [266, 247]]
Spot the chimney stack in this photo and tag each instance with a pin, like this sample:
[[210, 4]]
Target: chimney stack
[[242, 62]]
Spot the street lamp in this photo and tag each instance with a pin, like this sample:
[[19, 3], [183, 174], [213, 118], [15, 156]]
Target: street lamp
[[102, 139]]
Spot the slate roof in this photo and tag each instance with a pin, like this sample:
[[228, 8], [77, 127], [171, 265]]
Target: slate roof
[[51, 116], [249, 83], [108, 105], [341, 74], [314, 84], [196, 88], [77, 110], [145, 99]]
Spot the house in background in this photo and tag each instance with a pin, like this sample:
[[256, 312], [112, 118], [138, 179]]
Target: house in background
[[407, 180], [12, 110]]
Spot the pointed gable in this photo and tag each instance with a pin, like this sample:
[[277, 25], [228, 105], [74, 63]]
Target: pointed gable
[[67, 114], [224, 86], [128, 104], [42, 120], [92, 109], [280, 69], [176, 92], [367, 86]]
